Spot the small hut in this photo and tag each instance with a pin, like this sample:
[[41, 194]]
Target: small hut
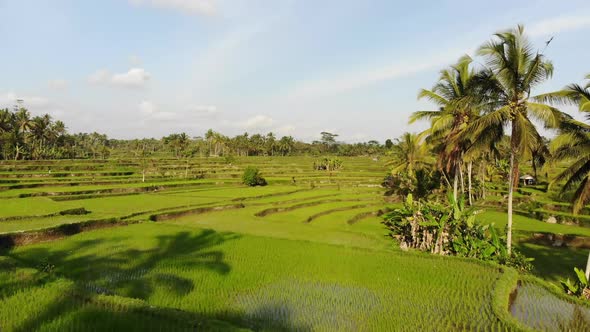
[[528, 180]]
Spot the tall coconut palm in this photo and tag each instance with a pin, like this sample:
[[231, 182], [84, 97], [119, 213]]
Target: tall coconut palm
[[23, 120], [23, 124], [270, 142], [573, 143], [6, 120], [41, 134], [6, 124], [457, 93], [514, 70]]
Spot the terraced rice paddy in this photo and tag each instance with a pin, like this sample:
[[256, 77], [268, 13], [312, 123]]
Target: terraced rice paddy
[[197, 250]]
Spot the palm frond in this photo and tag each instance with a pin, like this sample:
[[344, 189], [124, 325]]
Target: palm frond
[[570, 95], [423, 115], [582, 196], [573, 174], [432, 96], [551, 117]]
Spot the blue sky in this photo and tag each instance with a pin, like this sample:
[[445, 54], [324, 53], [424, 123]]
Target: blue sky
[[146, 68]]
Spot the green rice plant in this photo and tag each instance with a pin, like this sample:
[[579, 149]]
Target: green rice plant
[[272, 284]]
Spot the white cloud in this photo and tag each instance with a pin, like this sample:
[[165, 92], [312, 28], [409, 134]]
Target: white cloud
[[36, 104], [257, 122], [200, 7], [559, 24], [133, 78], [134, 60], [58, 84], [358, 79], [39, 103], [8, 99], [153, 112], [285, 130], [204, 110], [223, 59], [100, 76], [147, 107], [165, 116]]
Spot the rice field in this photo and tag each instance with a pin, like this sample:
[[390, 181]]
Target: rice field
[[263, 283], [86, 245]]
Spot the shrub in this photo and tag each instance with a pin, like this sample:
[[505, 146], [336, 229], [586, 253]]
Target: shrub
[[229, 159], [579, 287], [328, 164], [449, 230], [252, 177]]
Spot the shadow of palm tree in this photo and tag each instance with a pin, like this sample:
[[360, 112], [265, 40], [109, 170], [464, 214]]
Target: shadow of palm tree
[[553, 263], [105, 266]]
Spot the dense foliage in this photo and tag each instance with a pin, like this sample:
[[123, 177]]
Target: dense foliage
[[421, 184], [328, 164], [40, 137], [23, 136], [252, 177], [448, 229], [579, 286]]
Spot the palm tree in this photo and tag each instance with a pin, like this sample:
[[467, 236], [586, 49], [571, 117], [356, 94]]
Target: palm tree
[[41, 133], [209, 135], [23, 120], [270, 143], [457, 93], [539, 155], [286, 145], [573, 143], [23, 125], [513, 70], [5, 120], [6, 124], [409, 154]]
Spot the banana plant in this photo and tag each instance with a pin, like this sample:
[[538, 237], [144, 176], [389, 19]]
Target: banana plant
[[578, 286]]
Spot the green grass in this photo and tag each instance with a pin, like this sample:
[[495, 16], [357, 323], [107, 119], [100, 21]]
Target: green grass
[[522, 223]]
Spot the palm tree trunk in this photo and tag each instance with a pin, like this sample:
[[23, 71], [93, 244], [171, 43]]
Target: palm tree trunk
[[462, 179], [510, 194], [469, 168], [455, 182], [483, 180], [516, 175], [588, 267], [186, 170]]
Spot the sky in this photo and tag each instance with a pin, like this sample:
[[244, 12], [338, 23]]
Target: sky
[[148, 68]]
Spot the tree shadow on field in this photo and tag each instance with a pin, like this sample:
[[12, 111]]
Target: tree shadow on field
[[554, 263], [111, 266]]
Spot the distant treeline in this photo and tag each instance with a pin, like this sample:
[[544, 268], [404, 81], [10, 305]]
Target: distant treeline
[[41, 137]]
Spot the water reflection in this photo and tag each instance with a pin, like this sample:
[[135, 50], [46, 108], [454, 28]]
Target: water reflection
[[539, 309]]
